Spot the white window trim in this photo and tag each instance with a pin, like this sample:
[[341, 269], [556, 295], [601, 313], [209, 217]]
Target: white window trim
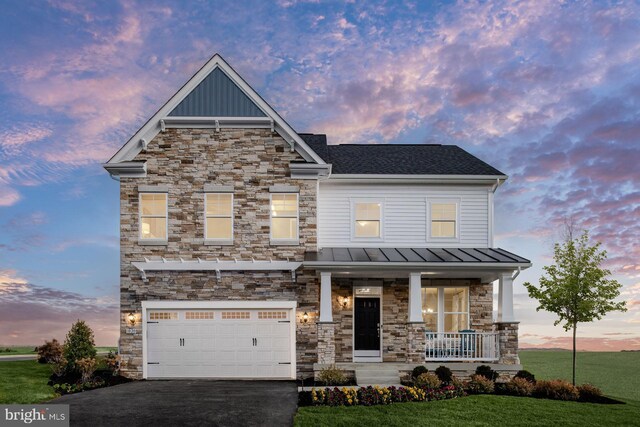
[[353, 202], [142, 240], [441, 312], [284, 242], [456, 238], [208, 241]]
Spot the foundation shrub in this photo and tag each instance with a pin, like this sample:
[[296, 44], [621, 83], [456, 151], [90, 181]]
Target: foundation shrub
[[332, 375], [479, 384], [444, 374], [556, 389], [428, 381]]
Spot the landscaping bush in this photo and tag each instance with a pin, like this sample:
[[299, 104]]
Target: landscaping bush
[[49, 351], [589, 393], [556, 389], [444, 374], [519, 387], [86, 366], [428, 381], [487, 372], [332, 376], [112, 361], [375, 395], [417, 371], [79, 344], [526, 375], [479, 384]]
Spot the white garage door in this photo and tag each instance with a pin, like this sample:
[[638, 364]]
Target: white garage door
[[223, 343]]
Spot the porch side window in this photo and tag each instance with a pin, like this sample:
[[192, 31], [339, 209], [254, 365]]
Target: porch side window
[[368, 219], [443, 220], [284, 216], [153, 216], [445, 309], [219, 216]]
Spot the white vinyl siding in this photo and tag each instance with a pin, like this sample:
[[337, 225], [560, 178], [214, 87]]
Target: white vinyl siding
[[404, 218]]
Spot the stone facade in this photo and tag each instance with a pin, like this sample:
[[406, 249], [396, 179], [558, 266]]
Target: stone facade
[[508, 338], [251, 161], [326, 343], [184, 160]]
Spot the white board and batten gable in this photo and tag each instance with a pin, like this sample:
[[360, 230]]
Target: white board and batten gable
[[215, 97]]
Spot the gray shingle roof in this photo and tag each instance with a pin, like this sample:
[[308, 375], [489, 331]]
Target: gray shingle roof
[[398, 159], [431, 255]]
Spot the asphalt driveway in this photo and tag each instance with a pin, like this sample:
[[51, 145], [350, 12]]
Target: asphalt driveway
[[185, 403]]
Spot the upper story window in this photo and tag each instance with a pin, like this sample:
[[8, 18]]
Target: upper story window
[[284, 217], [153, 216], [219, 216], [368, 220], [444, 219]]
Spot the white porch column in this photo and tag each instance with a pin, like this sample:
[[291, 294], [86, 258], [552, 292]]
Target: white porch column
[[505, 298], [325, 297], [415, 297]]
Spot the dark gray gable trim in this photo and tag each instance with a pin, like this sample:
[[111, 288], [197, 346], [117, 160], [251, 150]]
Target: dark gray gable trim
[[217, 96]]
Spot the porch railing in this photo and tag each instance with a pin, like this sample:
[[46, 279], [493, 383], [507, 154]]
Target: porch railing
[[462, 346]]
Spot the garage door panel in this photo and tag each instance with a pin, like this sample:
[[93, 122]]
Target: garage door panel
[[219, 344]]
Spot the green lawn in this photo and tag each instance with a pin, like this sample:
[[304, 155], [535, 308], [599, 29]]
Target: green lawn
[[21, 350], [17, 350], [24, 382], [474, 411], [615, 373]]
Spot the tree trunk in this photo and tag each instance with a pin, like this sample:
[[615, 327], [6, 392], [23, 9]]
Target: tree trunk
[[574, 354]]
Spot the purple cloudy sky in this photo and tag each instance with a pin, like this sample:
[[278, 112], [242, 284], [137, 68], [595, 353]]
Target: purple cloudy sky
[[546, 91]]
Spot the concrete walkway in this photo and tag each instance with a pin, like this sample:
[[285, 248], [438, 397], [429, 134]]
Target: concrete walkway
[[185, 403]]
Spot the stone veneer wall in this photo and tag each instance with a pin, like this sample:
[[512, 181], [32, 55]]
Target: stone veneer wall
[[508, 338], [250, 160]]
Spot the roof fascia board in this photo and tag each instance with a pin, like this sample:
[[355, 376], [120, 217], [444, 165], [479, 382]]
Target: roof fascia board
[[127, 169], [430, 179], [153, 126], [419, 265], [309, 170]]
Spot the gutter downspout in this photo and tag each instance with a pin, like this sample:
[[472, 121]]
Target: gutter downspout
[[516, 273]]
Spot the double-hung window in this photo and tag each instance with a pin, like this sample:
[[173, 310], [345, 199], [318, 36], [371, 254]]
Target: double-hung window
[[445, 309], [444, 220], [153, 217], [368, 220], [219, 217], [284, 218]]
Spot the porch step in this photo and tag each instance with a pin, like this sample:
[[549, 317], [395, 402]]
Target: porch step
[[377, 375]]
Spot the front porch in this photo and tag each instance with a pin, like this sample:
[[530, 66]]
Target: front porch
[[388, 318]]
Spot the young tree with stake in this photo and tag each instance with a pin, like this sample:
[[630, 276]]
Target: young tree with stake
[[576, 287]]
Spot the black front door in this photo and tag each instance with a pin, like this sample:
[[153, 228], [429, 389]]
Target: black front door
[[367, 324]]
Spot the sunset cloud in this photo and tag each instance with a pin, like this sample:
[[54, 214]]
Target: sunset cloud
[[546, 91]]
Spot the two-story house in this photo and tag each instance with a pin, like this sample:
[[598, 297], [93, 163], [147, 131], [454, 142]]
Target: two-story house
[[249, 250]]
